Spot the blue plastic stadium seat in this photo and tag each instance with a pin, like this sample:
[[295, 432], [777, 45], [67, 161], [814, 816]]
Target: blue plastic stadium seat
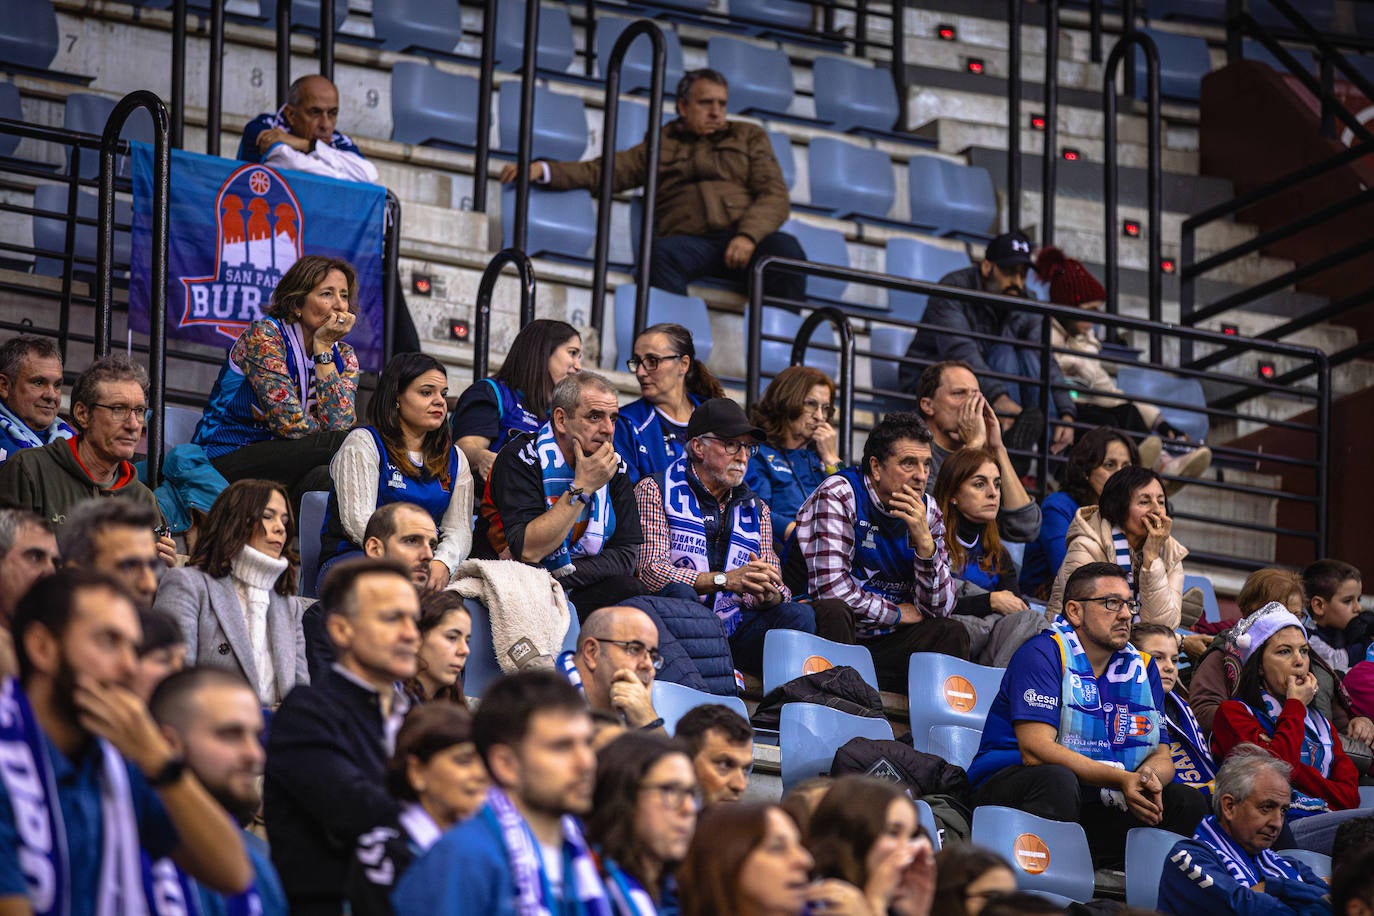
[[560, 125], [787, 14], [888, 344], [955, 743], [1147, 849], [50, 233], [760, 76], [431, 107], [954, 692], [561, 223], [673, 701], [305, 14], [11, 110], [951, 199], [555, 37], [854, 96], [28, 33], [1367, 796], [918, 260], [178, 425], [824, 246], [313, 506], [1211, 609], [1256, 51], [789, 654], [422, 25], [1047, 856], [926, 818], [850, 180], [1317, 861], [88, 114], [782, 151], [632, 119], [775, 356], [809, 735], [688, 311], [1183, 62], [1147, 384], [636, 71], [482, 668]]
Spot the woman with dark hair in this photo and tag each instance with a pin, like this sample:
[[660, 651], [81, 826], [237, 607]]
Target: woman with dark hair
[[652, 431], [285, 397], [405, 454], [445, 628], [1098, 455], [644, 811], [516, 399], [802, 447], [236, 596], [966, 876], [1129, 526], [746, 859], [439, 779], [865, 833]]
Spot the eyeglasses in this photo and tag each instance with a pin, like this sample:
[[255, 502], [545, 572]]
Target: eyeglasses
[[1113, 604], [636, 650], [734, 446], [649, 361], [825, 410], [121, 412], [673, 794]]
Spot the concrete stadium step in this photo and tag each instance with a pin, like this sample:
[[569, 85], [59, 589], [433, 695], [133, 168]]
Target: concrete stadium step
[[954, 136]]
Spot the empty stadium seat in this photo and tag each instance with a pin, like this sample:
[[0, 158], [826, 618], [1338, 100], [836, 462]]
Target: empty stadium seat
[[775, 356], [88, 113], [1318, 862], [10, 110], [555, 52], [560, 123], [926, 818], [1367, 796], [50, 233], [786, 14], [305, 14], [824, 246], [418, 25], [1211, 609], [313, 506], [809, 735], [561, 223], [760, 77], [1256, 51], [849, 180], [636, 71], [482, 667], [688, 311], [432, 108], [1048, 857], [782, 151], [1183, 61], [954, 743], [28, 34], [632, 120], [955, 692], [789, 654], [888, 344], [951, 199], [854, 96], [673, 701], [178, 425], [1149, 384], [1147, 849], [918, 260]]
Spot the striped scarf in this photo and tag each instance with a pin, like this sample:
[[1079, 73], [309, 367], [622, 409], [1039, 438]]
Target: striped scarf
[[1248, 870], [1123, 555]]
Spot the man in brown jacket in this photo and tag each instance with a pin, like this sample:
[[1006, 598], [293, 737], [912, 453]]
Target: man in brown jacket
[[721, 195]]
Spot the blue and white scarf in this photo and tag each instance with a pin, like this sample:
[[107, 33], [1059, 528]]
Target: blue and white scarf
[[687, 547], [1317, 751], [567, 663], [169, 891], [19, 432], [1193, 763], [1122, 548], [627, 895], [582, 887], [1248, 870], [594, 525]]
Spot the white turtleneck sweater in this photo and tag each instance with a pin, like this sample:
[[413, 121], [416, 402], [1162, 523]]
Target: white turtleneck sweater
[[254, 574]]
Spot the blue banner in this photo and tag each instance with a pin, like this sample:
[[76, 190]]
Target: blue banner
[[236, 228]]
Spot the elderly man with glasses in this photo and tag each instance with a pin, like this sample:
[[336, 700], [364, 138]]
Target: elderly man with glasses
[[708, 538], [615, 663], [1076, 730]]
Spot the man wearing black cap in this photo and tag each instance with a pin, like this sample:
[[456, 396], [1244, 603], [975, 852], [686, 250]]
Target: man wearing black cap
[[1010, 345], [708, 537]]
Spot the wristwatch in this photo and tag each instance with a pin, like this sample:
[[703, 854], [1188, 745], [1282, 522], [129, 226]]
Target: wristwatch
[[579, 495], [718, 580], [171, 771], [321, 359]]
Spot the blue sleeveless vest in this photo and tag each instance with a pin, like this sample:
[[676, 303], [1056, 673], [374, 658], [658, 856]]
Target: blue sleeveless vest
[[515, 417], [645, 443], [883, 556]]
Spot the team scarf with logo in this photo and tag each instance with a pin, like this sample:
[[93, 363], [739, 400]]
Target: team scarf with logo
[[1246, 869], [1193, 763], [1317, 751], [20, 433], [1111, 719], [594, 525], [628, 896], [567, 663], [583, 892]]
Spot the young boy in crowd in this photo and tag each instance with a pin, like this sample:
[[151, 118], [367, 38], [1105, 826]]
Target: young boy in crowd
[[1193, 763]]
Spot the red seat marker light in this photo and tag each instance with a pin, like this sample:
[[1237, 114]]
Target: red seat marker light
[[1037, 122], [946, 32], [458, 330], [1266, 370], [1230, 330], [1071, 155], [1168, 265], [975, 66], [421, 284], [1131, 228]]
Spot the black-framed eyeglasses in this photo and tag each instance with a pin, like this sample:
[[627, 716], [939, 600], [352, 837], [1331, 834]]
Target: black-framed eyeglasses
[[733, 446], [814, 406], [673, 794], [636, 650], [650, 361], [1114, 603], [121, 412]]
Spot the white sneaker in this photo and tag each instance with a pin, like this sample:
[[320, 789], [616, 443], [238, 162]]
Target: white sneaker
[[1150, 448], [1192, 463]]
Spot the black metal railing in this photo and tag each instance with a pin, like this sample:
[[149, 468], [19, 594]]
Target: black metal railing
[[1014, 115], [1049, 163], [481, 322], [844, 387]]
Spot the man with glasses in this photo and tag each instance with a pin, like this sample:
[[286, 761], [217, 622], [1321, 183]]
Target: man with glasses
[[615, 663], [708, 538], [1075, 731], [109, 408]]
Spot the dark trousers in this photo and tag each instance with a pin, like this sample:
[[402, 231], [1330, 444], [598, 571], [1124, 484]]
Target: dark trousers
[[680, 259], [746, 643], [300, 465], [1053, 791], [1125, 417], [892, 652]]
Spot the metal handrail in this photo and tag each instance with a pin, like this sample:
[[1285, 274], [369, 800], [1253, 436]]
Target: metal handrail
[[1153, 183], [214, 101], [283, 49], [525, 145], [1049, 165], [484, 87], [652, 138], [481, 322], [845, 384], [391, 276], [1013, 115], [178, 100]]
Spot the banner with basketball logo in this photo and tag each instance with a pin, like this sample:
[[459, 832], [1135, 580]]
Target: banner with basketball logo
[[236, 228]]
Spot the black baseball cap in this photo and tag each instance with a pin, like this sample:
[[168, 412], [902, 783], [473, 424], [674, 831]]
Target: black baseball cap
[[1010, 249], [721, 417]]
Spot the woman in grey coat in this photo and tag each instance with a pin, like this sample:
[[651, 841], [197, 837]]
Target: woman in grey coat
[[236, 597]]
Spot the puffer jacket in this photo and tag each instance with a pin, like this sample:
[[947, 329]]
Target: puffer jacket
[[1159, 586], [692, 640]]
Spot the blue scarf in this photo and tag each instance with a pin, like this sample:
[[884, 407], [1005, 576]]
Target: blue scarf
[[1193, 763], [1122, 549], [169, 891], [567, 663], [1248, 870], [583, 892], [627, 895], [1316, 752], [594, 525], [19, 432]]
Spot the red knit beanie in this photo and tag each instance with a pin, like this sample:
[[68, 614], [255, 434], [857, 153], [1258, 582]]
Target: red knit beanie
[[1070, 283]]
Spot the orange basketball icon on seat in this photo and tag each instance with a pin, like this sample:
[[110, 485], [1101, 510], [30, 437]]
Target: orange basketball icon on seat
[[815, 664], [1031, 853], [960, 694]]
